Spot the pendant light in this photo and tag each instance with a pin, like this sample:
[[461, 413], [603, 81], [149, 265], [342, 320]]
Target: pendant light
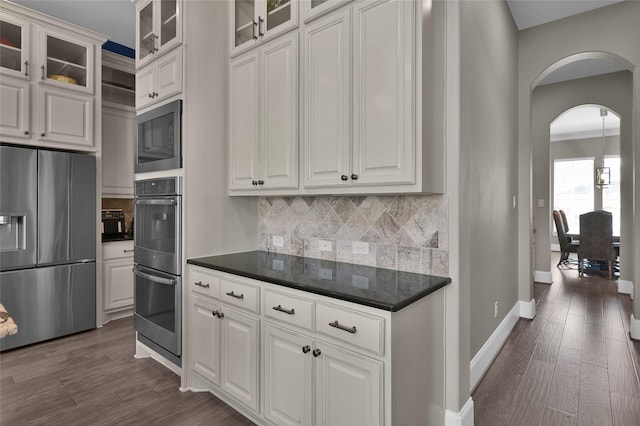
[[602, 173]]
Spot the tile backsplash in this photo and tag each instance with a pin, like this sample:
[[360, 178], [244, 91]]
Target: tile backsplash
[[404, 232]]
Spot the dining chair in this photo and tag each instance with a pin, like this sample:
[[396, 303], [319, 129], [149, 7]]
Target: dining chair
[[596, 240], [566, 245]]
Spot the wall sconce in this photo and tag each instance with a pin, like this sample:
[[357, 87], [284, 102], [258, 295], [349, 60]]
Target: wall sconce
[[602, 177]]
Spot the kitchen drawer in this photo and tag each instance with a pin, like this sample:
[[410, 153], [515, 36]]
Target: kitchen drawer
[[240, 294], [357, 328], [289, 309], [117, 250], [202, 281]]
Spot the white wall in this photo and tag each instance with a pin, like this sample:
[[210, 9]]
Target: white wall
[[612, 30]]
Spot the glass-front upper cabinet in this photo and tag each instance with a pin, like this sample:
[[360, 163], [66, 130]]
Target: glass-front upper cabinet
[[14, 47], [255, 21], [65, 62], [159, 28], [311, 9]]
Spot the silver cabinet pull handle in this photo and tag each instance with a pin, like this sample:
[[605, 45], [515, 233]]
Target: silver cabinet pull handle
[[255, 25], [237, 296], [339, 326], [26, 68], [286, 311], [260, 21], [42, 68], [199, 284], [127, 251]]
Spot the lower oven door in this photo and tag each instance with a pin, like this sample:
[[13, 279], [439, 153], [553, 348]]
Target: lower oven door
[[158, 307]]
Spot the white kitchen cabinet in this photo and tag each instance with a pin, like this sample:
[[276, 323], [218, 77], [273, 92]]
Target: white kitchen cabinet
[[55, 104], [257, 21], [263, 115], [205, 329], [14, 47], [117, 151], [159, 80], [348, 387], [326, 81], [380, 148], [14, 108], [312, 9], [158, 29], [65, 117], [118, 276]]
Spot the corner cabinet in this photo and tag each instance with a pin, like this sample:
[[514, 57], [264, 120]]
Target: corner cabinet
[[48, 75], [284, 357], [257, 21], [159, 29], [263, 93]]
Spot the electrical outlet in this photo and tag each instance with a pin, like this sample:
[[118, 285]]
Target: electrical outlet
[[360, 248], [325, 245], [325, 274], [278, 265], [278, 241], [495, 310]]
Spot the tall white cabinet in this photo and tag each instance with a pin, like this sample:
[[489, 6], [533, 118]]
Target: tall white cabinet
[[49, 71]]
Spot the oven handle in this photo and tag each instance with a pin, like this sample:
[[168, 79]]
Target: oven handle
[[156, 202], [155, 279]]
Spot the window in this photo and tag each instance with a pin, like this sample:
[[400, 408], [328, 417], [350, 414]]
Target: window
[[573, 189], [611, 193]]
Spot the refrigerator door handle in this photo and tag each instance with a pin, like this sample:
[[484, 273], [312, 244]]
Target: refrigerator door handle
[[155, 279], [157, 202]]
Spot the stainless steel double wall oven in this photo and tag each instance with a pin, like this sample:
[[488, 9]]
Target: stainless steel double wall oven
[[158, 265]]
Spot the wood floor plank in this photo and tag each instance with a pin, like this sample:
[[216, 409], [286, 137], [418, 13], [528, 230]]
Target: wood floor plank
[[570, 350], [558, 418], [549, 342], [594, 406], [564, 391], [529, 405], [594, 347], [625, 409], [593, 310], [619, 366]]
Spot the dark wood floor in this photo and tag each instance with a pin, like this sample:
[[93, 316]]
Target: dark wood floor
[[91, 378], [574, 364]]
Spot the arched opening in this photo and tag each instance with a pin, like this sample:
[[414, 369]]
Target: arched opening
[[584, 140]]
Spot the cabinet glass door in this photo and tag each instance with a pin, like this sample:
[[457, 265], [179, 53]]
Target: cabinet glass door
[[245, 23], [168, 21], [67, 63], [146, 37], [13, 48], [278, 13]]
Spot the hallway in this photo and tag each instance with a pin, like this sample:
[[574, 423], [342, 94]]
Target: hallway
[[574, 364]]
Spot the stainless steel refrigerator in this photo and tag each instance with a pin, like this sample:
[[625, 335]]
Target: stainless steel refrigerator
[[47, 243]]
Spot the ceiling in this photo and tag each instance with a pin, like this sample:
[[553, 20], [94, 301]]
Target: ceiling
[[116, 19], [584, 122]]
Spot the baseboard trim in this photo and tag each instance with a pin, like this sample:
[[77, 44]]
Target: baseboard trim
[[483, 359], [544, 277], [625, 287], [463, 417], [144, 351], [555, 247], [527, 309], [634, 328]]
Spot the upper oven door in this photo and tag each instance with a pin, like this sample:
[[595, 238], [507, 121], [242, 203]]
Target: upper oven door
[[157, 233], [158, 136]]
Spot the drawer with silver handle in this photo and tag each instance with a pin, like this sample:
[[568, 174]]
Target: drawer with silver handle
[[204, 282], [357, 328], [243, 295], [288, 308]]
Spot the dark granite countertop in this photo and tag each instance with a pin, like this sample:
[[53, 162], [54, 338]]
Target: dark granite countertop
[[380, 288]]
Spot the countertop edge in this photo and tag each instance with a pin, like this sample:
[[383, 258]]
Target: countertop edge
[[340, 296]]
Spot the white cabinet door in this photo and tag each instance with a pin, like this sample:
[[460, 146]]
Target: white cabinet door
[[65, 117], [118, 281], [287, 374], [205, 337], [279, 88], [326, 83], [239, 358], [158, 29], [160, 79], [145, 86], [244, 132], [117, 151], [384, 92], [312, 9], [14, 49], [14, 108], [349, 388]]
